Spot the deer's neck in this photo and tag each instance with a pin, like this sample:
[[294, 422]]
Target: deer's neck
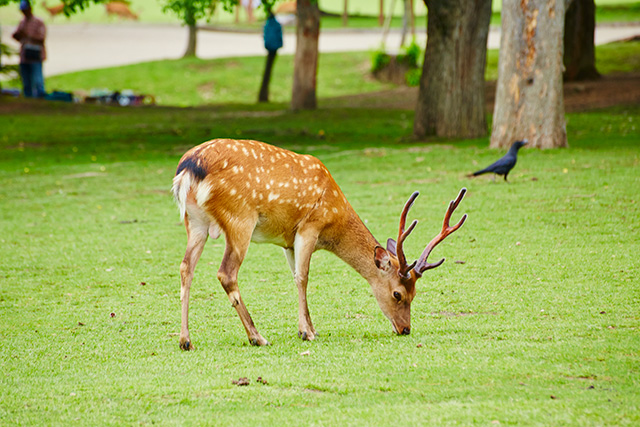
[[355, 245]]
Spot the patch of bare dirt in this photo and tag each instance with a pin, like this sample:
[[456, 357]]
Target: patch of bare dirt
[[608, 91]]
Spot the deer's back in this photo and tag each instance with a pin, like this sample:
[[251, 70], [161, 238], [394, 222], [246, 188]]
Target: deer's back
[[239, 183]]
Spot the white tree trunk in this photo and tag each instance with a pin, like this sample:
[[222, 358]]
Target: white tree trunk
[[529, 100]]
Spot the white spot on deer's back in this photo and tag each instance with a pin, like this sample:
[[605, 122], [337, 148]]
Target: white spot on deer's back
[[272, 196], [234, 169], [335, 210], [335, 193], [234, 148], [245, 151], [225, 163], [233, 191]]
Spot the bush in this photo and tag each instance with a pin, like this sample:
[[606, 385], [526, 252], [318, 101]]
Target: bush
[[379, 60], [409, 60]]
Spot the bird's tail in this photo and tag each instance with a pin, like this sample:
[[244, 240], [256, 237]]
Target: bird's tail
[[480, 172]]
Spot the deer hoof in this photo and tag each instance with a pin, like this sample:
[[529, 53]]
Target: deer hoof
[[306, 336], [186, 345], [259, 341]]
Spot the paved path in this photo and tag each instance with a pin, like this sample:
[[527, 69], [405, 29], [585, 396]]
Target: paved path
[[74, 47]]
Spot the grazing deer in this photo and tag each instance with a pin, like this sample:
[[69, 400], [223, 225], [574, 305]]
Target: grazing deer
[[120, 9], [55, 10], [252, 191], [287, 7]]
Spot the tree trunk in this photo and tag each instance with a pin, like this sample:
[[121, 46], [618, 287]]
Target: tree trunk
[[451, 96], [190, 20], [345, 14], [266, 77], [305, 68], [405, 22], [579, 46], [529, 99]]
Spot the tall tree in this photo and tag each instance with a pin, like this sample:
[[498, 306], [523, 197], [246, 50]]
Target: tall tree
[[529, 99], [451, 96], [579, 46], [305, 68], [190, 12]]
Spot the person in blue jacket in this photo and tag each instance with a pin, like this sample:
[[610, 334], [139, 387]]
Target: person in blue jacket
[[272, 42]]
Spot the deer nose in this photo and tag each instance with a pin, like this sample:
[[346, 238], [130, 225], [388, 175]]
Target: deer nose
[[406, 331]]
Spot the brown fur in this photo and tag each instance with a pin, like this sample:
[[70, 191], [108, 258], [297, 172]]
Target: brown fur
[[120, 9], [55, 10], [252, 191]]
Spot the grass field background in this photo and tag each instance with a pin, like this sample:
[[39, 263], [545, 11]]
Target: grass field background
[[234, 80], [538, 326], [535, 324]]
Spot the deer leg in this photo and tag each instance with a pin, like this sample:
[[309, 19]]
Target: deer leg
[[304, 246], [303, 314], [228, 276], [196, 238], [291, 260]]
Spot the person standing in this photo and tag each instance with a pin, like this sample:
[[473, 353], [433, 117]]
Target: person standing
[[31, 33], [272, 42]]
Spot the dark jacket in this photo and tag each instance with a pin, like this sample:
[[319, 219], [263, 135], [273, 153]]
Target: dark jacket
[[272, 34]]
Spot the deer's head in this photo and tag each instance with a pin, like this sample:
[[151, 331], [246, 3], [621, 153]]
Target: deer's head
[[396, 278]]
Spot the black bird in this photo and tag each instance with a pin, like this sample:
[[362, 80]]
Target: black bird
[[506, 163]]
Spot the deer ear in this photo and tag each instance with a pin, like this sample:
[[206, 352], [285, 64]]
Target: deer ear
[[391, 247], [381, 258]]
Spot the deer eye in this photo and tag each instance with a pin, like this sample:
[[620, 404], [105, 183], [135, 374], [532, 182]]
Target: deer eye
[[397, 296]]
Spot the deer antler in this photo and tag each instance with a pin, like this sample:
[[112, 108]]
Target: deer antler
[[403, 268], [422, 264]]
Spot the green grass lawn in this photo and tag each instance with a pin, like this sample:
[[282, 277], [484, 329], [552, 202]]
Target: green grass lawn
[[206, 81], [538, 326]]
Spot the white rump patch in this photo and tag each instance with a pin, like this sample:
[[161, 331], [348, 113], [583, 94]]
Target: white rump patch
[[203, 192], [180, 188]]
